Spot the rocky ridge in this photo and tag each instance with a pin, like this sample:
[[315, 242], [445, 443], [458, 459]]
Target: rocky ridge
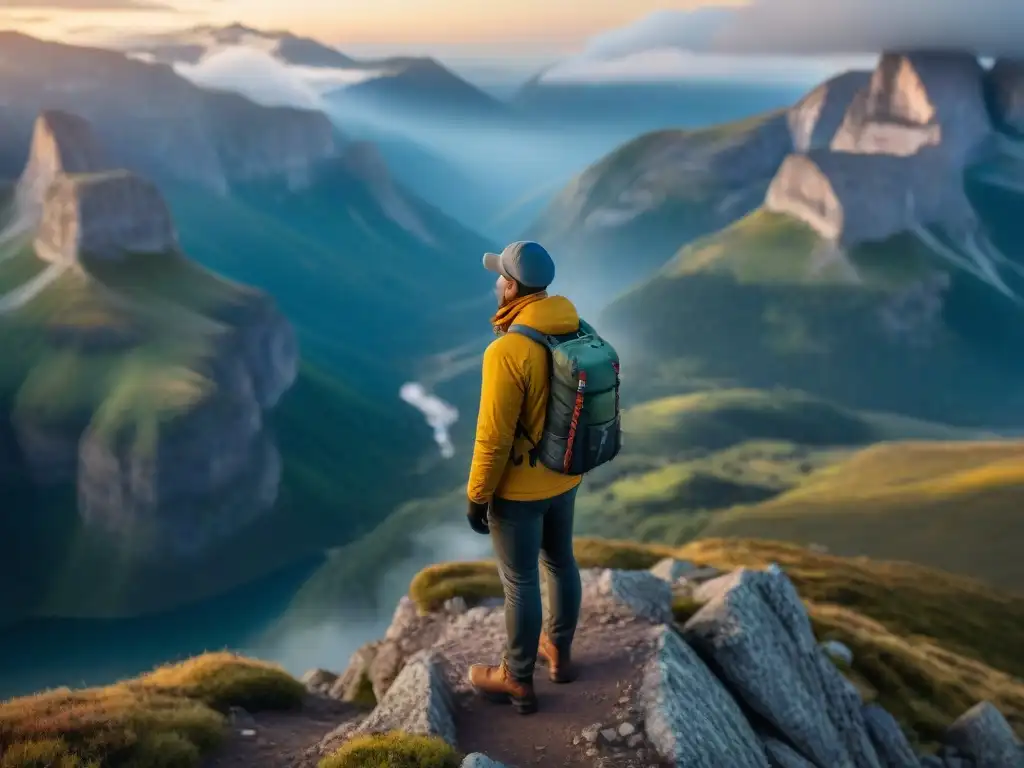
[[742, 683], [172, 486], [895, 161]]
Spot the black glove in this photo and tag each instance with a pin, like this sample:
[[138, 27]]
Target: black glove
[[477, 514]]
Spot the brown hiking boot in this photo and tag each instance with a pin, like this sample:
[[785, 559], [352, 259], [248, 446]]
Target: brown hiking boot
[[498, 685], [560, 666]]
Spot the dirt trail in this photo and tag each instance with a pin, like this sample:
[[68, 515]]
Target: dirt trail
[[610, 650], [281, 740]]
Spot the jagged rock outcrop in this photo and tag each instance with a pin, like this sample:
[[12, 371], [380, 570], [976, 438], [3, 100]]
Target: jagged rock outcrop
[[62, 143], [676, 683], [756, 633], [1006, 89], [917, 100], [113, 215], [364, 161], [745, 683], [814, 120]]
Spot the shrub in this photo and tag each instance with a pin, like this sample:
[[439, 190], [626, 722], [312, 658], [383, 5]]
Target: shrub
[[221, 680], [394, 750]]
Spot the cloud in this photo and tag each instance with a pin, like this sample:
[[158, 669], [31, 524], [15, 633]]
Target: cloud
[[828, 27], [265, 79], [91, 5], [673, 64], [253, 73], [439, 414]]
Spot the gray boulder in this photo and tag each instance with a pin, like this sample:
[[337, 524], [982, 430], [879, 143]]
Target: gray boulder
[[647, 596], [890, 742], [689, 717], [984, 736], [419, 702], [672, 570], [476, 760], [348, 685], [758, 638]]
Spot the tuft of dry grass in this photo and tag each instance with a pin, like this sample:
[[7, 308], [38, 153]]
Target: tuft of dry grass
[[394, 750], [165, 719]]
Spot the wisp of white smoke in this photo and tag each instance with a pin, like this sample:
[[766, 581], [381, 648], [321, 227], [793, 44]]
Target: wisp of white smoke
[[826, 28], [258, 75], [439, 415]]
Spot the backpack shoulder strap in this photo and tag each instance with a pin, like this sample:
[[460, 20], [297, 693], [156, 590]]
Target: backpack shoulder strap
[[532, 333]]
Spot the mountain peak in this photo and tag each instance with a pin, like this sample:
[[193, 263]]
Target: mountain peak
[[915, 100], [61, 143], [108, 216]]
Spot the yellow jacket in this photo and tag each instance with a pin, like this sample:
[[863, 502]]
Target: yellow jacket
[[515, 391]]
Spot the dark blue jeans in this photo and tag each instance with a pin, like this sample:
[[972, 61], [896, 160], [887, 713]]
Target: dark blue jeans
[[523, 533]]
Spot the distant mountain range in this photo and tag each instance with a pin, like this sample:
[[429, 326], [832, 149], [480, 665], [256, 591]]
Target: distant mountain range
[[383, 89], [854, 246]]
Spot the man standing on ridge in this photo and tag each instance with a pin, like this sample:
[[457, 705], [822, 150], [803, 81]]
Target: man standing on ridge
[[525, 473]]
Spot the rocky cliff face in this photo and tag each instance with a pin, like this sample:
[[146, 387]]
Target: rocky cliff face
[[112, 216], [895, 161], [365, 162], [172, 454], [918, 100], [149, 119], [61, 143]]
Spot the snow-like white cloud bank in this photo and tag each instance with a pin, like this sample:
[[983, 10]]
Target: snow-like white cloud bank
[[824, 28], [674, 64], [439, 415], [260, 76]]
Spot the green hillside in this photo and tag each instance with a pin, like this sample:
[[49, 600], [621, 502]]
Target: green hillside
[[128, 352], [627, 214], [765, 303], [957, 506], [684, 460], [352, 279]]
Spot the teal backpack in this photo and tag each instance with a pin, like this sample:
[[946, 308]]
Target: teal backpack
[[582, 429]]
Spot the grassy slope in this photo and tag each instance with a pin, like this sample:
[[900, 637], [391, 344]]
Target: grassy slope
[[687, 206], [688, 455], [955, 506], [169, 717], [761, 305], [927, 644]]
